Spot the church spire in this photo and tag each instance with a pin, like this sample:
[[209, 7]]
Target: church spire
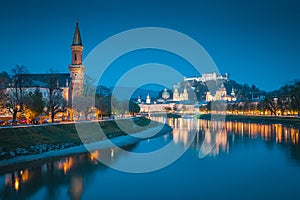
[[77, 38], [76, 68]]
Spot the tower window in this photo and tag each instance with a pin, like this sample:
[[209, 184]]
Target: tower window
[[75, 57]]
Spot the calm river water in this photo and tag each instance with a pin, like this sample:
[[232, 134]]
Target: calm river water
[[243, 161]]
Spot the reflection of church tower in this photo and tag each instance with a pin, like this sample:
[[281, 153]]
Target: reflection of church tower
[[76, 68]]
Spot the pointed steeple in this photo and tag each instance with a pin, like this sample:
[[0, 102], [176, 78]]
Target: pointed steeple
[[77, 38]]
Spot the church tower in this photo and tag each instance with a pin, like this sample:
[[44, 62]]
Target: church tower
[[76, 68]]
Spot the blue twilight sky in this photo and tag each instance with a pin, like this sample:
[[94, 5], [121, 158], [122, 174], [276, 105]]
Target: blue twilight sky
[[254, 41]]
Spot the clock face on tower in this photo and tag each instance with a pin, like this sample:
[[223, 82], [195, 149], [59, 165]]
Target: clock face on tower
[[75, 75]]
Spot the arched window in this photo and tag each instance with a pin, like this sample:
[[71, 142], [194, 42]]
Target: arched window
[[75, 57]]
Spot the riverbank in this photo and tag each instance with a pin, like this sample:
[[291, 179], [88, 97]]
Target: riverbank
[[35, 140], [19, 161], [290, 121]]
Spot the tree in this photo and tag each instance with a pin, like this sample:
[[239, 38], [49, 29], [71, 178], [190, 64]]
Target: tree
[[15, 93], [133, 108], [55, 101], [85, 102], [295, 97], [167, 108], [4, 79], [3, 99], [262, 106], [270, 104], [246, 106], [104, 100], [33, 104]]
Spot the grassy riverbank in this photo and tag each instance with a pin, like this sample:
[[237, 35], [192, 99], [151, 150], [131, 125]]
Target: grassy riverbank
[[292, 121], [16, 141]]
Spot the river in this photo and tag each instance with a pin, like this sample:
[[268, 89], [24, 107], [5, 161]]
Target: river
[[242, 161]]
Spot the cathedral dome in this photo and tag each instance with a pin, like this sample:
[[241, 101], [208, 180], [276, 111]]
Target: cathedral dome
[[165, 94]]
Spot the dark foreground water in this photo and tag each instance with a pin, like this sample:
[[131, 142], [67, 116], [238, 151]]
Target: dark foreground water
[[247, 161]]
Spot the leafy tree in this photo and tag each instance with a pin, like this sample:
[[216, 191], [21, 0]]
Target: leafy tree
[[4, 79], [167, 108], [104, 100], [33, 104], [200, 90], [295, 97], [133, 108]]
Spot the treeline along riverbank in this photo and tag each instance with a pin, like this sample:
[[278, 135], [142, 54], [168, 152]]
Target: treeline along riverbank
[[290, 121]]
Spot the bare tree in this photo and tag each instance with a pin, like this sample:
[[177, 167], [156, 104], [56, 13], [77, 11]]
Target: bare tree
[[4, 80], [85, 102], [55, 102], [15, 93], [3, 100]]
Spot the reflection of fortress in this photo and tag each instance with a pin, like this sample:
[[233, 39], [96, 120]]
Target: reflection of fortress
[[213, 137]]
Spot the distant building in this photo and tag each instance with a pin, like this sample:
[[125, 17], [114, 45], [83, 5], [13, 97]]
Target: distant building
[[220, 95], [184, 96], [148, 100], [40, 81], [165, 95], [208, 77]]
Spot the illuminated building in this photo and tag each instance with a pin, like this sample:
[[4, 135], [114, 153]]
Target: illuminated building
[[68, 84]]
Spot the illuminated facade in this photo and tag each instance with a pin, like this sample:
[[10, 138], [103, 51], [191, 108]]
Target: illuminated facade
[[165, 95], [220, 95], [177, 96], [208, 77]]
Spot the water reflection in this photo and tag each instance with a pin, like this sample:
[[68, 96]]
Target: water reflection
[[70, 176], [71, 172], [216, 136]]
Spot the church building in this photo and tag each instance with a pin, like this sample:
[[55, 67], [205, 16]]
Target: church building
[[68, 84]]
